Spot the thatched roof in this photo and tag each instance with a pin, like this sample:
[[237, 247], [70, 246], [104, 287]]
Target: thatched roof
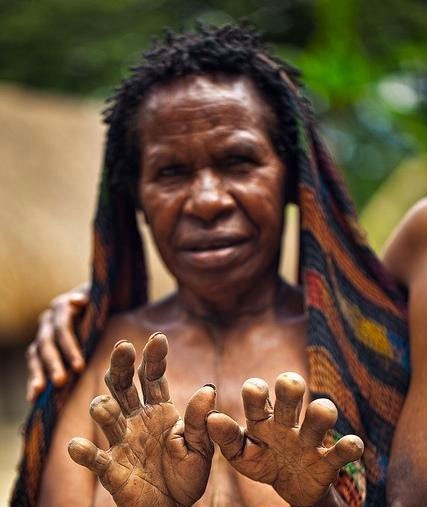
[[51, 148]]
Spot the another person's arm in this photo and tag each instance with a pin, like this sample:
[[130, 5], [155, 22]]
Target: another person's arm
[[55, 336], [406, 258], [63, 483]]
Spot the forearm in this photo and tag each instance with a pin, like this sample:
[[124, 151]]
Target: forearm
[[406, 259], [406, 476]]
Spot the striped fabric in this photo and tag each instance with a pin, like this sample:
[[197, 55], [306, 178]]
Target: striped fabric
[[358, 345], [358, 333]]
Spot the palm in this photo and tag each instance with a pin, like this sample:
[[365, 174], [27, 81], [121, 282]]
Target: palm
[[155, 458], [275, 450], [155, 442]]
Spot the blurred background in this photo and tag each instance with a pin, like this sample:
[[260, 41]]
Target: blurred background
[[364, 64]]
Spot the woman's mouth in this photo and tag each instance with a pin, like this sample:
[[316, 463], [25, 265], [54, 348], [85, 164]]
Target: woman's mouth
[[215, 244], [214, 253]]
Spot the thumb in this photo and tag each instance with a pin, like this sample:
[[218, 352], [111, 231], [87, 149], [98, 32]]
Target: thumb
[[225, 432], [195, 433], [87, 454]]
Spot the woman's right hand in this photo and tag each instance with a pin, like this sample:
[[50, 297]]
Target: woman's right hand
[[155, 456], [55, 336]]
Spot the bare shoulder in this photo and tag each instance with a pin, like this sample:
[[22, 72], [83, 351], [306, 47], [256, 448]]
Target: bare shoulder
[[412, 229], [406, 250]]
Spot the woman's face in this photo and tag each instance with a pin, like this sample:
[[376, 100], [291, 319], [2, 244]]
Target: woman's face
[[212, 184]]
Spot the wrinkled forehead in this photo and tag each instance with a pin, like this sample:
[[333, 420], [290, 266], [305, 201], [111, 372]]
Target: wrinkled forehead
[[212, 99]]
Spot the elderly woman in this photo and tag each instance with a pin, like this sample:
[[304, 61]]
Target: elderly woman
[[210, 138]]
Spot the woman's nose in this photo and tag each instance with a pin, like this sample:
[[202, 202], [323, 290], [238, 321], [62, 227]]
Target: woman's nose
[[208, 200]]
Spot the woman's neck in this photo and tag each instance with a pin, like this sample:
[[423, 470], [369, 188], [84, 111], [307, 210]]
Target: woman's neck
[[234, 305]]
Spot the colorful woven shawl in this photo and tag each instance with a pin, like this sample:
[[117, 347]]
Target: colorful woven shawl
[[358, 344]]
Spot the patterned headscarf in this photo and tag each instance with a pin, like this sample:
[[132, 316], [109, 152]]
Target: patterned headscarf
[[358, 346]]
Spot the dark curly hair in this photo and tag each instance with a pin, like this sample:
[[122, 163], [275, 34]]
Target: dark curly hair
[[231, 49]]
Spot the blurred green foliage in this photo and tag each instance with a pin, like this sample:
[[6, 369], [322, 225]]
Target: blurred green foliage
[[364, 62]]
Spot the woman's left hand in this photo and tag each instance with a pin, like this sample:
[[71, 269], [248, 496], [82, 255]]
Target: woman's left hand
[[275, 449]]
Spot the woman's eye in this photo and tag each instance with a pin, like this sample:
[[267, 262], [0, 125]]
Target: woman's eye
[[238, 163], [171, 171]]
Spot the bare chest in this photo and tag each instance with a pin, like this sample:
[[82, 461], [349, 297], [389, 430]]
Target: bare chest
[[264, 352], [227, 359]]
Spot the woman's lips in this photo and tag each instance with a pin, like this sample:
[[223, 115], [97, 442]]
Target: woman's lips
[[214, 253], [213, 244]]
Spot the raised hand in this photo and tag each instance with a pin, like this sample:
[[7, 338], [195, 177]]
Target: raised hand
[[275, 449], [155, 458]]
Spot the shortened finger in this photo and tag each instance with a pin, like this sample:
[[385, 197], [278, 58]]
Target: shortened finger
[[321, 416], [151, 373], [106, 412], [119, 377], [290, 389], [85, 453], [349, 448], [36, 378], [225, 432], [255, 400], [195, 430]]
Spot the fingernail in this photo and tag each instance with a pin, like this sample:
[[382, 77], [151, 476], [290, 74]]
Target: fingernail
[[78, 296], [59, 379], [78, 364], [257, 382], [120, 342], [77, 449], [212, 412], [357, 442], [157, 333], [102, 399], [210, 385], [294, 378]]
